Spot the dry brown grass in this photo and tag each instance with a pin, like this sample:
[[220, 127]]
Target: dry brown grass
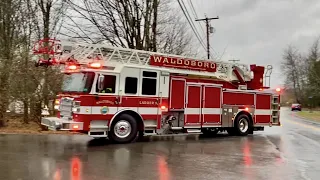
[[314, 115], [15, 125]]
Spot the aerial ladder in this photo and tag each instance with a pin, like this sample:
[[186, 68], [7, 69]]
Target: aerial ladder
[[65, 52]]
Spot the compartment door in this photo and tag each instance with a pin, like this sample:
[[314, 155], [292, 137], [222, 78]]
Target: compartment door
[[211, 110], [177, 94], [193, 106]]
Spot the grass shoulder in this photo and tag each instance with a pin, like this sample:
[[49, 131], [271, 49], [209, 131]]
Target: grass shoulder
[[311, 115], [15, 125]]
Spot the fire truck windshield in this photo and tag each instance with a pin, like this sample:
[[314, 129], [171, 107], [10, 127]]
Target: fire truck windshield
[[78, 82]]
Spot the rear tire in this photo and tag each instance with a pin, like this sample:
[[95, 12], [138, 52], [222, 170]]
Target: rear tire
[[242, 125], [124, 129]]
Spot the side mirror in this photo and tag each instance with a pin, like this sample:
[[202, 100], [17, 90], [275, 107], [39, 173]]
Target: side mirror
[[100, 82]]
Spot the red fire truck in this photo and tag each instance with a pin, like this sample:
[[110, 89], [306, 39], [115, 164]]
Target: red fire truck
[[121, 94]]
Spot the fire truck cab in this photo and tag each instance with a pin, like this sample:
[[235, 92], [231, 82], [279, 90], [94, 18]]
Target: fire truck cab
[[127, 93]]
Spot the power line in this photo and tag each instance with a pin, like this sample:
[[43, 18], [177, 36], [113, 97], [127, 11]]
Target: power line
[[186, 14], [196, 15]]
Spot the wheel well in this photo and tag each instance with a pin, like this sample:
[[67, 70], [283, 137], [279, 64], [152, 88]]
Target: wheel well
[[246, 113], [134, 114]]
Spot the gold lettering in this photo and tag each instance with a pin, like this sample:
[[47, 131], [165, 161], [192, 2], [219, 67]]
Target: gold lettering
[[173, 61], [184, 62], [147, 102], [104, 102], [157, 58]]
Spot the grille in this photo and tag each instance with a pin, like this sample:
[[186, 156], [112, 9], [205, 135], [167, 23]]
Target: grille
[[66, 108]]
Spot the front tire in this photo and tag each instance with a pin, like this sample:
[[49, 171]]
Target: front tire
[[243, 125], [124, 129]]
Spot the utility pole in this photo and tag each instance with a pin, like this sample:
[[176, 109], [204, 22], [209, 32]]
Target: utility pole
[[208, 31]]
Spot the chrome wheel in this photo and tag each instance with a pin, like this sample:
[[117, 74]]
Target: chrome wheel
[[243, 125], [122, 129]]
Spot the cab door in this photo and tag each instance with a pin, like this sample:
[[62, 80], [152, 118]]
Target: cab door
[[106, 98], [129, 88], [150, 97]]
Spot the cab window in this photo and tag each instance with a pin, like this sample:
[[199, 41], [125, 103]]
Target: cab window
[[149, 83], [109, 84], [131, 85]]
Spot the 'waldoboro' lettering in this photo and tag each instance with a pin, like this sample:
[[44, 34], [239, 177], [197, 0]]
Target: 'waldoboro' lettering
[[183, 63]]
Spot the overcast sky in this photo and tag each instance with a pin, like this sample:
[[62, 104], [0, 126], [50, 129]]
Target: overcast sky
[[257, 31]]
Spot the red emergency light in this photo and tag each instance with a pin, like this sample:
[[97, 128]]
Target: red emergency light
[[72, 67], [95, 65]]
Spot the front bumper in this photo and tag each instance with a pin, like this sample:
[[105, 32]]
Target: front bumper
[[56, 124]]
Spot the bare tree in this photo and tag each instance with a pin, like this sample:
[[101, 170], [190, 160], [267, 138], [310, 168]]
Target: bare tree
[[35, 86], [148, 25], [125, 23], [21, 86], [314, 65], [302, 73], [313, 60], [293, 68], [174, 37], [51, 11], [10, 23]]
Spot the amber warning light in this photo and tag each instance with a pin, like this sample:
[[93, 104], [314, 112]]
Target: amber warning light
[[95, 65], [72, 67], [164, 108], [75, 127]]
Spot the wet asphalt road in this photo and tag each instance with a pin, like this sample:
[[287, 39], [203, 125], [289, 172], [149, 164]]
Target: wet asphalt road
[[291, 151]]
